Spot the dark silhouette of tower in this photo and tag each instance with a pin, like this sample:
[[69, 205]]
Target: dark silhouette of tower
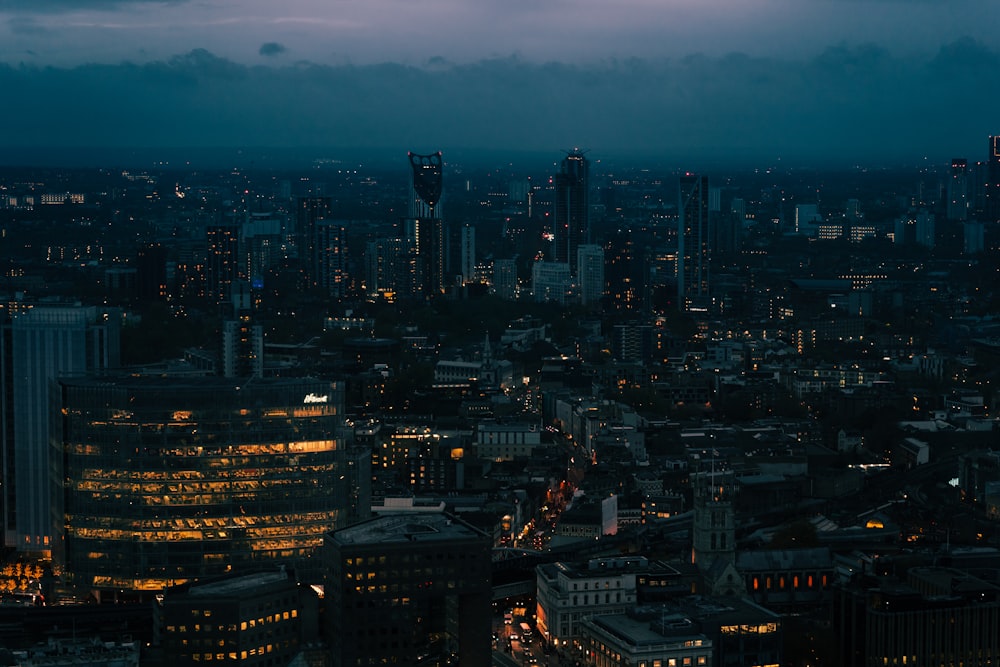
[[223, 261], [993, 181], [425, 229], [571, 225], [151, 272], [692, 242], [309, 211], [958, 190], [427, 179]]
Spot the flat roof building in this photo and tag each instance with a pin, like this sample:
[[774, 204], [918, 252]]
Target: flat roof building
[[252, 619], [408, 589], [169, 480]]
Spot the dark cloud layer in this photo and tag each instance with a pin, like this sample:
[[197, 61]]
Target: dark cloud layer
[[60, 6], [271, 49], [857, 104]]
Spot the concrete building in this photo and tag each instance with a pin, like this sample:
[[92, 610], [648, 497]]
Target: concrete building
[[402, 589], [40, 345], [568, 594], [254, 619]]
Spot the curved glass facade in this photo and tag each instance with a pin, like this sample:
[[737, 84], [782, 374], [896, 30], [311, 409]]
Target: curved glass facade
[[168, 480]]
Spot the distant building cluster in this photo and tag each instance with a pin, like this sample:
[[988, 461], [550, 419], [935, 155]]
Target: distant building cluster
[[457, 414]]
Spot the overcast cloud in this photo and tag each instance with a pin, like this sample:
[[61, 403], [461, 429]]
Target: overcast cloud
[[802, 79], [847, 103]]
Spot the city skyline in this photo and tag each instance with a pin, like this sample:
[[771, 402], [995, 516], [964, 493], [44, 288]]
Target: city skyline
[[817, 82]]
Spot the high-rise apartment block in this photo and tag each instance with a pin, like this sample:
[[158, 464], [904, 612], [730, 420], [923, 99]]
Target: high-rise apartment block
[[223, 261], [309, 211], [331, 257], [590, 273], [242, 353]]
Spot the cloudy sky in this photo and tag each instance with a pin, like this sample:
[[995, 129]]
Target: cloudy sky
[[805, 80]]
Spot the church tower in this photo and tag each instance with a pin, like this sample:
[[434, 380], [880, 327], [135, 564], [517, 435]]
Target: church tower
[[714, 532]]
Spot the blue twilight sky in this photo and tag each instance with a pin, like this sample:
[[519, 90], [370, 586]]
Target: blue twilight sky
[[693, 80]]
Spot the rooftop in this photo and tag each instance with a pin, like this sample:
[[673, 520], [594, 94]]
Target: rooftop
[[411, 527], [239, 584]]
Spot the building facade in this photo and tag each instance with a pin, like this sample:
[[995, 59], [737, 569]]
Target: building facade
[[169, 480], [571, 224], [252, 619], [40, 345], [408, 589], [693, 248], [568, 594]]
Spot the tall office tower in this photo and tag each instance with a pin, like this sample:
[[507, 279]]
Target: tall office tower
[[242, 354], [993, 181], [7, 450], [331, 255], [223, 261], [171, 479], [551, 281], [467, 253], [570, 224], [261, 238], [693, 249], [505, 278], [399, 587], [392, 269], [46, 342], [307, 212], [425, 228], [958, 190], [151, 272], [973, 238], [924, 233], [626, 272], [590, 273]]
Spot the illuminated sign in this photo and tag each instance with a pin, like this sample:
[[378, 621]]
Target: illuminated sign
[[316, 398]]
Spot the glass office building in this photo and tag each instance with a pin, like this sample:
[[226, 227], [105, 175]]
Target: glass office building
[[168, 480]]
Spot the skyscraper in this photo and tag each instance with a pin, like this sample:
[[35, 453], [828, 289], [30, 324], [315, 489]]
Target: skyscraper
[[47, 342], [571, 224], [958, 190], [590, 273], [308, 212], [505, 278], [223, 261], [467, 253], [425, 229], [693, 248], [151, 272], [242, 354], [993, 181], [331, 256]]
